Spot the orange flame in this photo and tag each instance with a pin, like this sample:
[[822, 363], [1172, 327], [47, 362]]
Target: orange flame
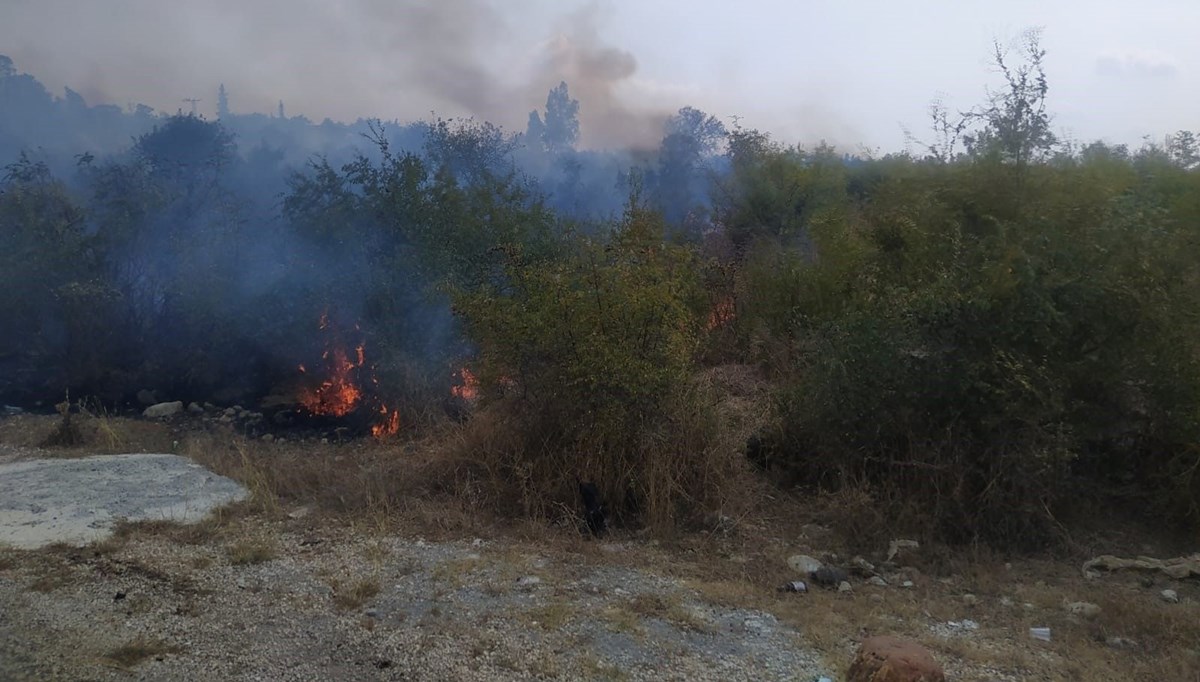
[[390, 425], [339, 393], [469, 389]]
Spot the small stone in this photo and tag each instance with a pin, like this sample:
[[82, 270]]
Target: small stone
[[907, 584], [529, 581], [268, 438], [845, 586], [1121, 643], [804, 564], [876, 581], [300, 513], [477, 542], [194, 408], [970, 599], [1083, 609], [371, 613], [862, 567], [1169, 596], [163, 410], [1006, 601], [876, 597], [891, 659], [896, 546], [231, 412]]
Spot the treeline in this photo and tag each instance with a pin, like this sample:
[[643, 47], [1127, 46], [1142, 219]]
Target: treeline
[[979, 339]]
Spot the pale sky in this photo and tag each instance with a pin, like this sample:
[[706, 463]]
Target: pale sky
[[852, 72]]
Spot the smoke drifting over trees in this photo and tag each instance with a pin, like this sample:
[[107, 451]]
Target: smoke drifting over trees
[[1005, 313]]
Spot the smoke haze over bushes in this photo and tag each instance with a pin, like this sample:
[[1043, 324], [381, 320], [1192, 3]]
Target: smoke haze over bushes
[[965, 333]]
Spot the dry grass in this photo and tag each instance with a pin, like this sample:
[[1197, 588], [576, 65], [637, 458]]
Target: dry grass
[[130, 654], [96, 432], [353, 595], [551, 616], [251, 551]]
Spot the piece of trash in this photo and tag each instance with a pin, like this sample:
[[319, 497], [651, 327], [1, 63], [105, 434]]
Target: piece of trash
[[824, 679], [794, 586], [1040, 633]]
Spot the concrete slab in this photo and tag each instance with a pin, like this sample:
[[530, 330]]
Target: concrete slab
[[77, 501]]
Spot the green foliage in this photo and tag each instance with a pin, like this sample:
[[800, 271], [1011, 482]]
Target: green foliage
[[592, 350], [972, 345]]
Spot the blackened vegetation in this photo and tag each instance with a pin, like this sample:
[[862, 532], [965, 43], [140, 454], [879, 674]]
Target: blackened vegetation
[[595, 517]]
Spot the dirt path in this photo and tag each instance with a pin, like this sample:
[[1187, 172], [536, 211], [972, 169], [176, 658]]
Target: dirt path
[[258, 601]]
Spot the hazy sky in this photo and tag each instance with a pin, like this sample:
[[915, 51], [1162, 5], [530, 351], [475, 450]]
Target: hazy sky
[[850, 71]]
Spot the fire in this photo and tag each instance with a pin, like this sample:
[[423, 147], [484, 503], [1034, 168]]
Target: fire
[[340, 392], [338, 395], [722, 314], [469, 389], [389, 426]]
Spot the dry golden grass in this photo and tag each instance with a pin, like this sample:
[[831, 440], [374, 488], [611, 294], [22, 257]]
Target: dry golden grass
[[251, 551], [353, 595], [98, 433]]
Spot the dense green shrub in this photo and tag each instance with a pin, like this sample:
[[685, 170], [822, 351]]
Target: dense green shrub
[[592, 352]]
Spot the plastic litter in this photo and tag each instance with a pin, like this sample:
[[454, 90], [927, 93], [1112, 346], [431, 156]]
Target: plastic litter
[[1040, 633]]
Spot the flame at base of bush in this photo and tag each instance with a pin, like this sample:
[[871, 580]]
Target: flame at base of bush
[[340, 393]]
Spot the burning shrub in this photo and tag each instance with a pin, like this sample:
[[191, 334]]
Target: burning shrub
[[591, 353]]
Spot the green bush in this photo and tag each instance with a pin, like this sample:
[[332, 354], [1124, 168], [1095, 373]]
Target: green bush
[[982, 346], [591, 353]]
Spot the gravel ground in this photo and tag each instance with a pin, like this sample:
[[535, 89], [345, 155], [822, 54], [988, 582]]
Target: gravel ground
[[461, 610]]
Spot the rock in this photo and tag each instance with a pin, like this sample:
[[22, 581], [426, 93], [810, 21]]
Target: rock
[[146, 397], [268, 438], [1042, 634], [794, 586], [1084, 609], [529, 581], [1169, 596], [1121, 643], [970, 599], [907, 584], [300, 512], [876, 597], [804, 564], [891, 659], [829, 576], [1178, 568], [845, 587], [194, 408], [163, 410], [862, 567], [896, 546], [231, 412], [877, 581], [371, 613], [12, 411], [1006, 602]]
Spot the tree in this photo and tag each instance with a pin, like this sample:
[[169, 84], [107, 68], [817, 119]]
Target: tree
[[1016, 125], [6, 67], [1184, 149], [222, 103], [560, 130]]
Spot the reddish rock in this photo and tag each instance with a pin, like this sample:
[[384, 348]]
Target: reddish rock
[[891, 659]]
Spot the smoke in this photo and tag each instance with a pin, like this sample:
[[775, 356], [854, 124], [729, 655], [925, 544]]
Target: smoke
[[342, 59]]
